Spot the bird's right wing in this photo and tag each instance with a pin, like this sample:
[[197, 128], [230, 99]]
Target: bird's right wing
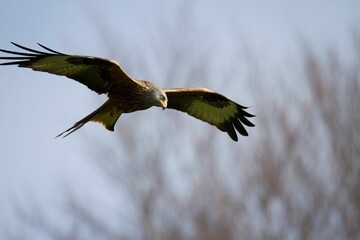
[[210, 107]]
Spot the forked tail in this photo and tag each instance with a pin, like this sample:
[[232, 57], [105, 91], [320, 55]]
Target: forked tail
[[107, 115]]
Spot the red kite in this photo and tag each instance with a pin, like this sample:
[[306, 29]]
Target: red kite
[[128, 95]]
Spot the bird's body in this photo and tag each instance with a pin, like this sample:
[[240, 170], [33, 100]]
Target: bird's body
[[128, 95], [141, 95]]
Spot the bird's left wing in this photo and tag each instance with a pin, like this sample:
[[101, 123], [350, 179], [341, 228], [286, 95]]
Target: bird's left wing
[[98, 74], [210, 107]]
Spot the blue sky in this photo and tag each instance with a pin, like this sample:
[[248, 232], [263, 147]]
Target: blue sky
[[35, 107]]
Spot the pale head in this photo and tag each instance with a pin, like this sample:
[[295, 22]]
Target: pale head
[[156, 95]]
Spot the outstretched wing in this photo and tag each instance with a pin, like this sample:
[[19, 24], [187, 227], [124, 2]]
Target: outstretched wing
[[210, 107], [98, 74]]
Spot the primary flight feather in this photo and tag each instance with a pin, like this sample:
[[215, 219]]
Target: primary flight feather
[[128, 95]]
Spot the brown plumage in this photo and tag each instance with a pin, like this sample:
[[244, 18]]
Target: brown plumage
[[128, 95]]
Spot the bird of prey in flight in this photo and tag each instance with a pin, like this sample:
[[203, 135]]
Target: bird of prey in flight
[[128, 95]]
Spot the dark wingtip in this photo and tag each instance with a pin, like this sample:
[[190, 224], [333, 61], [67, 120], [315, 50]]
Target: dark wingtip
[[49, 49], [233, 137]]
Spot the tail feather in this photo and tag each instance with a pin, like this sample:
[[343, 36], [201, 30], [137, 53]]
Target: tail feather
[[72, 129], [107, 115]]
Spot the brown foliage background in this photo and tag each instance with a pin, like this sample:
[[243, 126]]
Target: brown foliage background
[[296, 177]]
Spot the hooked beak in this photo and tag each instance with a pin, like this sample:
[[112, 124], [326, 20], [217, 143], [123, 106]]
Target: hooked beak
[[163, 105]]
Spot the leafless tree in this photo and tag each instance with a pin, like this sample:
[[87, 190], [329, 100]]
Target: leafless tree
[[296, 177]]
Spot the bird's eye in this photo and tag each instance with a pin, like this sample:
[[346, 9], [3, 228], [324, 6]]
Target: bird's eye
[[162, 97]]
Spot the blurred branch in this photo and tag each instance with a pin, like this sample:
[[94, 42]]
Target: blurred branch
[[297, 178]]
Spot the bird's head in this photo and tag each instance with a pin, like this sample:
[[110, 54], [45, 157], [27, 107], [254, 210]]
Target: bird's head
[[158, 96], [163, 100]]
